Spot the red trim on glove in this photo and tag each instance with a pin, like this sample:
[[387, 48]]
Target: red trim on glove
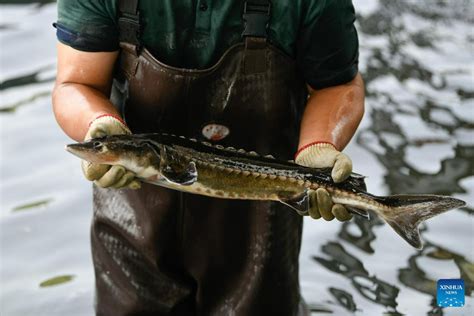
[[311, 144], [118, 118]]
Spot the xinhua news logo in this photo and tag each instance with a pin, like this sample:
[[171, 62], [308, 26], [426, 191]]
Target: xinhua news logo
[[450, 293]]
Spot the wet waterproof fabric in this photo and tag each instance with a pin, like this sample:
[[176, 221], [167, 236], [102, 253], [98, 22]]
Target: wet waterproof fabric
[[161, 252], [319, 34]]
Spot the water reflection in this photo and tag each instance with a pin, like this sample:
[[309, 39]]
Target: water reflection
[[36, 90], [376, 290], [401, 177], [344, 298], [416, 278], [364, 235], [370, 287], [385, 138], [30, 78]]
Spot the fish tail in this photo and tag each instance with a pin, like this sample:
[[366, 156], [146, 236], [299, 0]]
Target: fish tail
[[406, 212]]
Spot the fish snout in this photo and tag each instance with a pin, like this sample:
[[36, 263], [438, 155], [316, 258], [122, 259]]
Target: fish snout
[[89, 151]]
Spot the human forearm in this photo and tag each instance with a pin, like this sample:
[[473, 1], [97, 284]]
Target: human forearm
[[82, 87], [76, 105], [333, 114]]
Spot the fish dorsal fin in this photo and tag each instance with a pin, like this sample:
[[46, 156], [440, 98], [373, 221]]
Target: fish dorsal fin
[[298, 202]]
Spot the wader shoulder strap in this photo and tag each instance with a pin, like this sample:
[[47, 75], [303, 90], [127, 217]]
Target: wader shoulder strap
[[256, 17], [129, 23]]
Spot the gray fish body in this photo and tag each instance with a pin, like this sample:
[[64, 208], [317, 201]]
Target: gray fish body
[[201, 168]]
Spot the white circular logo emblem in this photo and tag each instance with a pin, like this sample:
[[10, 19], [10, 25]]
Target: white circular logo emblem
[[215, 132]]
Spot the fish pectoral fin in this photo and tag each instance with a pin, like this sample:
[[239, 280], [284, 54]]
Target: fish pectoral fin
[[186, 176], [298, 202]]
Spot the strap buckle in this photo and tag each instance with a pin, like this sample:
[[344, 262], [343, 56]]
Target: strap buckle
[[130, 29]]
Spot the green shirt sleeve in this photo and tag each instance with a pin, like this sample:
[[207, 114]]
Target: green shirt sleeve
[[88, 25], [327, 50]]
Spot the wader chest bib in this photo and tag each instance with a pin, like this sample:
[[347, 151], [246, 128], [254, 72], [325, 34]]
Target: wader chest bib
[[162, 252]]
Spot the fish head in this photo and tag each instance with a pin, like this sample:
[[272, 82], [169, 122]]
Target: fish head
[[130, 151]]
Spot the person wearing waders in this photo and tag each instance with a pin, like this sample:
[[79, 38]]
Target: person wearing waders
[[278, 77]]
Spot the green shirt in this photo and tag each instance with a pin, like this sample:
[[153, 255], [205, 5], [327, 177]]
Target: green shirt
[[319, 34]]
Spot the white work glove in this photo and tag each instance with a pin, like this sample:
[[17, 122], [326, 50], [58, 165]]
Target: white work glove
[[325, 155], [106, 176]]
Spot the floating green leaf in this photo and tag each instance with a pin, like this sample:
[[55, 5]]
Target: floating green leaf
[[32, 205], [440, 254], [57, 280]]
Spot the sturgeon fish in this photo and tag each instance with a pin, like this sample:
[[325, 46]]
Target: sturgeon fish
[[191, 166]]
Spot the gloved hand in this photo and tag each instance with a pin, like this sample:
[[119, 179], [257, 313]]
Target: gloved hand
[[105, 175], [325, 155]]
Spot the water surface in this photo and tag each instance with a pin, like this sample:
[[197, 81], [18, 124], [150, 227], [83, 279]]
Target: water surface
[[417, 137]]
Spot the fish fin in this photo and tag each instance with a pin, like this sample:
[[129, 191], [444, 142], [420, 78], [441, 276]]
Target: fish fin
[[358, 211], [408, 211], [298, 202], [175, 170], [182, 177], [358, 182]]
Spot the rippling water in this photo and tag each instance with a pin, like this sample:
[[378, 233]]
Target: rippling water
[[417, 137]]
